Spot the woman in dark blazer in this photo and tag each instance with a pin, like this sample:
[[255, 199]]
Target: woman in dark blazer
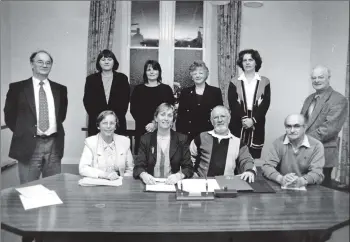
[[106, 90], [146, 97], [163, 152], [249, 99], [196, 103]]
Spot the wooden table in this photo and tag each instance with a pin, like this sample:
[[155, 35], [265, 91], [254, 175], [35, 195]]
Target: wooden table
[[126, 212]]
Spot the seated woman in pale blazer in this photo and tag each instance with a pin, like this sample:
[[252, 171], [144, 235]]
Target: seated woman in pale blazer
[[106, 155]]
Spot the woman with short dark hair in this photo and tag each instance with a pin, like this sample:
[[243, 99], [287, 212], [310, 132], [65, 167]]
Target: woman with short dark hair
[[249, 99], [146, 97], [106, 90]]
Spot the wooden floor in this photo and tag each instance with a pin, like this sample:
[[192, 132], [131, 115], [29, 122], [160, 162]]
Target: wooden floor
[[9, 178]]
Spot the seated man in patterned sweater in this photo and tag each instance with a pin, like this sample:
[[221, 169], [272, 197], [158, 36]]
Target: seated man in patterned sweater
[[218, 152]]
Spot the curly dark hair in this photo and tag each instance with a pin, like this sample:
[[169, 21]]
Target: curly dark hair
[[255, 55]]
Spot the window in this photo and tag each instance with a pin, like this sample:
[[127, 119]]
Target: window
[[175, 33]]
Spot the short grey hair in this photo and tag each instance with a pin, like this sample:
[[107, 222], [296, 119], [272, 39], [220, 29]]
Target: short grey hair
[[199, 64], [325, 68], [227, 111]]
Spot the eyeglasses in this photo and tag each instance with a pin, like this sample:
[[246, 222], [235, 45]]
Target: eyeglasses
[[41, 63]]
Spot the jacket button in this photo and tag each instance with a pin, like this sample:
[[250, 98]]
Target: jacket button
[[189, 121], [188, 132], [187, 110], [34, 136], [199, 104]]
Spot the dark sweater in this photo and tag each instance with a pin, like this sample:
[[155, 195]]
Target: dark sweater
[[145, 100]]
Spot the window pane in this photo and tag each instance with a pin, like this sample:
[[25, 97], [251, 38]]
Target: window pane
[[183, 60], [144, 23], [189, 24], [138, 58]]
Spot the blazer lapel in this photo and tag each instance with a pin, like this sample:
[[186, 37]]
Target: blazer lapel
[[307, 104], [173, 144], [29, 92], [153, 146], [113, 87], [56, 96], [100, 91], [319, 105]]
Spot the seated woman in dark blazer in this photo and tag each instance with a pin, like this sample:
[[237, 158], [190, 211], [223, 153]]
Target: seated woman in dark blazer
[[163, 152], [146, 97], [106, 90], [196, 103]]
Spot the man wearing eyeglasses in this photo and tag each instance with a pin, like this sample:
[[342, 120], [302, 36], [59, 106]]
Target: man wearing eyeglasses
[[34, 111], [295, 159]]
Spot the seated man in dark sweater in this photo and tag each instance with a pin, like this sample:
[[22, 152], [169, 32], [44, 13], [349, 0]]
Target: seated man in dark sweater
[[295, 158], [218, 152]]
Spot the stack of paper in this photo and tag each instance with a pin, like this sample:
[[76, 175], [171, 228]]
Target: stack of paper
[[38, 196], [88, 181], [198, 185], [303, 188], [160, 186]]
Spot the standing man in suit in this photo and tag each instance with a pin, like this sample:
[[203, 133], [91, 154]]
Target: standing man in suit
[[325, 111], [34, 111]]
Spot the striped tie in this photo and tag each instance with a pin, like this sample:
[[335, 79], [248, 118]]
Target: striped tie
[[43, 109]]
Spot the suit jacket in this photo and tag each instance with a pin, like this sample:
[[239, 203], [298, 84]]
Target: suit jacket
[[179, 153], [93, 154], [20, 117], [326, 122], [95, 100], [194, 118]]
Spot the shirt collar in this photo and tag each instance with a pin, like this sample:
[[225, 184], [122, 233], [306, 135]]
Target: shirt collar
[[105, 145], [228, 136], [319, 95], [243, 78], [36, 81], [305, 141]]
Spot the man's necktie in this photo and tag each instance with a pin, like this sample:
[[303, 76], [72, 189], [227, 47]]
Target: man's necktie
[[43, 109], [311, 107]]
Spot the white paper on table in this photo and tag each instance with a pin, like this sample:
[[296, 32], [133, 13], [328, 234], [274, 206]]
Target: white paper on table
[[88, 181], [33, 191], [46, 199], [160, 179], [160, 187], [198, 185], [303, 188]]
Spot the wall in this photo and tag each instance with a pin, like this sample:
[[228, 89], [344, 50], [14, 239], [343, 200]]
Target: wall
[[5, 74], [61, 28], [329, 39], [290, 36]]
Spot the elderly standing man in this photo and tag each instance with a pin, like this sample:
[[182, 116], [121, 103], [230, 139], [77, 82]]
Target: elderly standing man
[[34, 111], [218, 152], [295, 158], [325, 111]]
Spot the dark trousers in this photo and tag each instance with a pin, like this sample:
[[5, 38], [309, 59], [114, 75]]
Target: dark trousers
[[327, 172], [45, 161]]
